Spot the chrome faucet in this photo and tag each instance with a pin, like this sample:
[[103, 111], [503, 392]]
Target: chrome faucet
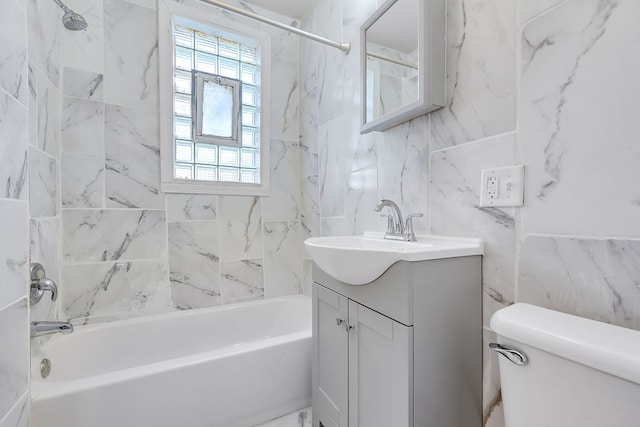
[[40, 284], [39, 329], [394, 225], [396, 230]]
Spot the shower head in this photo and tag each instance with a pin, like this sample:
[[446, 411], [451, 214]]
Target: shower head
[[71, 20]]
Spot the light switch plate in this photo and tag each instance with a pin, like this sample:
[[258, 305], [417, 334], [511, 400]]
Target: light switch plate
[[501, 187]]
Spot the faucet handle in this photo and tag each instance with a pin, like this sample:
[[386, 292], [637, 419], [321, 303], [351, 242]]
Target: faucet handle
[[390, 225], [409, 226], [40, 284]]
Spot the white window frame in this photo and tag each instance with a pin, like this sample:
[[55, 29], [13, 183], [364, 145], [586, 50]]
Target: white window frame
[[197, 98], [170, 12]]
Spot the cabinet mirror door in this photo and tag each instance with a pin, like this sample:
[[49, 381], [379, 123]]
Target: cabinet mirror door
[[402, 56]]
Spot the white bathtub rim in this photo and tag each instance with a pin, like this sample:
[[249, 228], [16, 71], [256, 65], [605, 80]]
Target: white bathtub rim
[[58, 346], [84, 329], [45, 388], [42, 389]]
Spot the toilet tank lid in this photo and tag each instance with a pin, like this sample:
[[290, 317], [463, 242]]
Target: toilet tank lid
[[608, 348]]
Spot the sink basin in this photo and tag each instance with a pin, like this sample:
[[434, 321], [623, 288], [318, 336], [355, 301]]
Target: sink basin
[[358, 260]]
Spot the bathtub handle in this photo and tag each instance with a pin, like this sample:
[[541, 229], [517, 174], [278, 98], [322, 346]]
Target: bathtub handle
[[40, 284]]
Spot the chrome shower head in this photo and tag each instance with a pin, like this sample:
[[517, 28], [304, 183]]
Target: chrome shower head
[[71, 20]]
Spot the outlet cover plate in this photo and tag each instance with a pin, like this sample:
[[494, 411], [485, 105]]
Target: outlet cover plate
[[501, 187]]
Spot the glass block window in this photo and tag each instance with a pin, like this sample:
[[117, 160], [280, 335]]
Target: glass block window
[[216, 112]]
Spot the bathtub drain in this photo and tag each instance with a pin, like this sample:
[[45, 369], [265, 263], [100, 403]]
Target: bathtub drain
[[45, 368]]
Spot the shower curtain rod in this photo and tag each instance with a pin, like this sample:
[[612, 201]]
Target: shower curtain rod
[[390, 59], [344, 47]]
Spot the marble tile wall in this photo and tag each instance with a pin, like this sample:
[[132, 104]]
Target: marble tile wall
[[18, 109], [44, 36], [342, 173], [544, 83], [126, 248]]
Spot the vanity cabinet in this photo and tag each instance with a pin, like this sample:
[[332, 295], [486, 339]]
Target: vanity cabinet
[[404, 350], [364, 372]]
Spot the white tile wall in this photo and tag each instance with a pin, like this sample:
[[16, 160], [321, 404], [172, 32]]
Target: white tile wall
[[577, 120], [130, 69], [43, 184], [13, 251], [480, 72], [13, 148], [455, 195], [283, 203], [82, 178], [242, 280], [85, 49], [186, 207], [82, 119], [115, 289], [18, 416], [14, 364], [205, 250], [13, 50], [48, 120], [284, 99], [282, 258], [102, 235], [194, 263], [83, 84], [18, 111], [132, 158]]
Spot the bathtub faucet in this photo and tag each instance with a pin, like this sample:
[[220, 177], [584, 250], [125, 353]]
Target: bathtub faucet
[[39, 329]]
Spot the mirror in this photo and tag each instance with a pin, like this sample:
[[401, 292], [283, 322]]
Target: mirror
[[402, 56]]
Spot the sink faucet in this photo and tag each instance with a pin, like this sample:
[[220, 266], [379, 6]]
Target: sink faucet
[[396, 230], [395, 225], [39, 329]]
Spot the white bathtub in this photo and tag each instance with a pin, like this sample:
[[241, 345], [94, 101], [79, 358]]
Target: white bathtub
[[236, 365]]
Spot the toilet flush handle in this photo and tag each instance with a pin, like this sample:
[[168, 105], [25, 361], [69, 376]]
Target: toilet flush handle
[[514, 355]]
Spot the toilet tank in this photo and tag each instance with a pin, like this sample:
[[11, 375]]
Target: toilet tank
[[580, 372]]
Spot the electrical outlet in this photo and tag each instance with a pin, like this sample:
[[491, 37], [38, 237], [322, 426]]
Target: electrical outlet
[[492, 187], [502, 186]]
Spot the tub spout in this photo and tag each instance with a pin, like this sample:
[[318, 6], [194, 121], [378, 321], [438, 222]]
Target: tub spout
[[39, 329]]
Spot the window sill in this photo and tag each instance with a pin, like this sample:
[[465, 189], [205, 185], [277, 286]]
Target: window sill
[[203, 187]]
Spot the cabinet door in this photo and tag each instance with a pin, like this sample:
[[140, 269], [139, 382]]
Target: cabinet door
[[331, 358], [380, 370]]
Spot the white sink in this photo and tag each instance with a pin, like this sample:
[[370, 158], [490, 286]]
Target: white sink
[[358, 260]]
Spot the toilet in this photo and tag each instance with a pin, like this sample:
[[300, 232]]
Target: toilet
[[559, 370]]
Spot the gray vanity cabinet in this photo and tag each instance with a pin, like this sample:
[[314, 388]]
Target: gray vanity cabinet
[[331, 355], [404, 350], [364, 374]]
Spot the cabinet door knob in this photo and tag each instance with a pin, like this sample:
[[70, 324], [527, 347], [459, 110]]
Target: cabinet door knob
[[347, 327], [339, 321]]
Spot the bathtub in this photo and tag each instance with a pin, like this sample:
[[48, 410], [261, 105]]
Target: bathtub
[[236, 365]]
